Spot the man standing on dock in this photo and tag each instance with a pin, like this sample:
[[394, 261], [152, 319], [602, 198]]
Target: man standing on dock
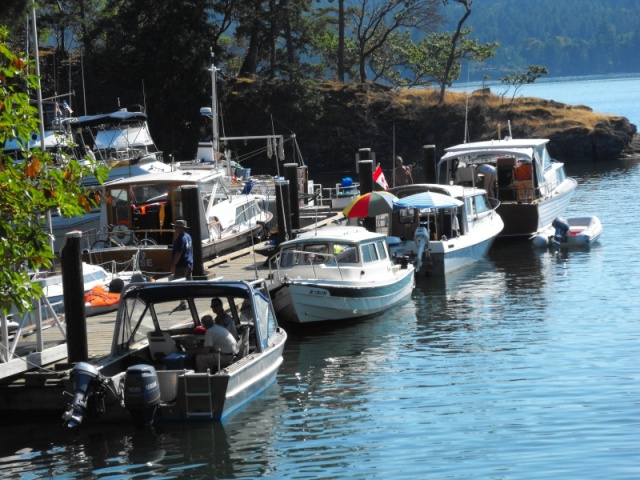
[[402, 174], [182, 255]]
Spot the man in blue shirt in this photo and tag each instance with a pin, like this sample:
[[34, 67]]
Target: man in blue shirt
[[182, 256]]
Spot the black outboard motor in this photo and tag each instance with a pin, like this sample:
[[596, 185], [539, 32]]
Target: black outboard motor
[[562, 228], [89, 392], [142, 393]]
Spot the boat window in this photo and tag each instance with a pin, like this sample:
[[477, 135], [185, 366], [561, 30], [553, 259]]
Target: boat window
[[118, 204], [345, 253], [288, 257], [561, 175], [134, 324], [406, 215], [266, 323], [481, 203], [369, 253], [171, 316], [382, 250]]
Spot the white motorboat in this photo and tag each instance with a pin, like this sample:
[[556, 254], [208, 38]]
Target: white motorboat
[[565, 232], [335, 274], [52, 302], [137, 214], [443, 227], [532, 188], [148, 374]]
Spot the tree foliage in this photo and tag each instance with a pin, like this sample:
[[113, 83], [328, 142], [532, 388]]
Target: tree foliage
[[517, 80], [29, 187]]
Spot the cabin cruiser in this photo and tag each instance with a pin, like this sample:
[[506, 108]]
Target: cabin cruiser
[[532, 188], [137, 216], [443, 227]]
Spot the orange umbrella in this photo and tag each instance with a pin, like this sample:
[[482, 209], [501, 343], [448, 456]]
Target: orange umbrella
[[370, 205]]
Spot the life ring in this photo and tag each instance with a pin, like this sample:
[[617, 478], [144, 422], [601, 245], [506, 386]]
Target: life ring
[[122, 234]]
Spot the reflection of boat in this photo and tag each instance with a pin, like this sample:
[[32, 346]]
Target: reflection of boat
[[570, 232], [146, 374], [335, 274], [138, 213], [532, 188], [443, 227]]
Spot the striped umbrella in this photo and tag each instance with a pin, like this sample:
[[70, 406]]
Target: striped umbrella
[[370, 205]]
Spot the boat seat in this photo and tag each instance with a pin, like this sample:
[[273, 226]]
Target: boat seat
[[161, 344]]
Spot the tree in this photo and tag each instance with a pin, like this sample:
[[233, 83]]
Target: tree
[[374, 21], [517, 80], [29, 187], [433, 58]]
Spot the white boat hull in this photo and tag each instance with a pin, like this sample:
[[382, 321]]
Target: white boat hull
[[310, 301]]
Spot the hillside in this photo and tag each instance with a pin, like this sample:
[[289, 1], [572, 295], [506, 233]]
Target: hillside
[[333, 121], [571, 37]]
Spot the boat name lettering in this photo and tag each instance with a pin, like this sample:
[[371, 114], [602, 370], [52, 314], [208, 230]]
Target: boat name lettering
[[322, 293]]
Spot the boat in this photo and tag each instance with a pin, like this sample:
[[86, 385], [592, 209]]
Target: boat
[[120, 141], [96, 281], [137, 214], [148, 376], [336, 274], [532, 188], [565, 232], [442, 228]]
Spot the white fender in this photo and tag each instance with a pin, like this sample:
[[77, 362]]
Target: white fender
[[421, 239]]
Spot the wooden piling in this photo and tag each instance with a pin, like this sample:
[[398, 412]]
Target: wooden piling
[[73, 298], [191, 206]]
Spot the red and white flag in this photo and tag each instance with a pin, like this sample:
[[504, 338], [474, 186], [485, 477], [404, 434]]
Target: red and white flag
[[378, 177]]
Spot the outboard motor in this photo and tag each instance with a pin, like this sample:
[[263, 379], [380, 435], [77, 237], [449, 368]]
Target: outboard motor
[[562, 227], [141, 393], [421, 239], [89, 391]]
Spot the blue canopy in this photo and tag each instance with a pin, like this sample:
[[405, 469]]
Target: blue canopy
[[427, 200]]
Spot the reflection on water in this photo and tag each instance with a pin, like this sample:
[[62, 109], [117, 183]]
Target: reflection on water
[[521, 366]]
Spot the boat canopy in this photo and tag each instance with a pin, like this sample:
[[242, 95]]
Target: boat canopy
[[114, 118]]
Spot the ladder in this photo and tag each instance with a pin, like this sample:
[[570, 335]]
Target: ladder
[[197, 394]]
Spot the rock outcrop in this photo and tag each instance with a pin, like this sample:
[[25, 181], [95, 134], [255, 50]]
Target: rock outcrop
[[333, 121]]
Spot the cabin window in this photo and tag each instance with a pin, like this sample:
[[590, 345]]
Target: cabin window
[[382, 250], [345, 253], [406, 215], [481, 203], [369, 253]]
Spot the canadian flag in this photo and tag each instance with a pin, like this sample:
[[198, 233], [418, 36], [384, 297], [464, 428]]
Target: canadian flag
[[378, 177]]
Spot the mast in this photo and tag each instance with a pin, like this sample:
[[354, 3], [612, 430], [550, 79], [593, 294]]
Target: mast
[[215, 139], [36, 54]]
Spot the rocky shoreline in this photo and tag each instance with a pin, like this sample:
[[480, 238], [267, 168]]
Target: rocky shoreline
[[333, 121]]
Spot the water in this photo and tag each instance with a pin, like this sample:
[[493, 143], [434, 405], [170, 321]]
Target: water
[[523, 366]]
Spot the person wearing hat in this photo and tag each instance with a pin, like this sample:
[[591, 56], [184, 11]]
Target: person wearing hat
[[182, 252]]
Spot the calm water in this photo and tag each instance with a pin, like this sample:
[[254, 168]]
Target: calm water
[[524, 366]]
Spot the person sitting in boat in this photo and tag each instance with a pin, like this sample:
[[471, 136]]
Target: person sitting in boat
[[217, 340], [223, 318]]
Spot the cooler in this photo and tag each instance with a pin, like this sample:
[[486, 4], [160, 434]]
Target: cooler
[[179, 361]]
